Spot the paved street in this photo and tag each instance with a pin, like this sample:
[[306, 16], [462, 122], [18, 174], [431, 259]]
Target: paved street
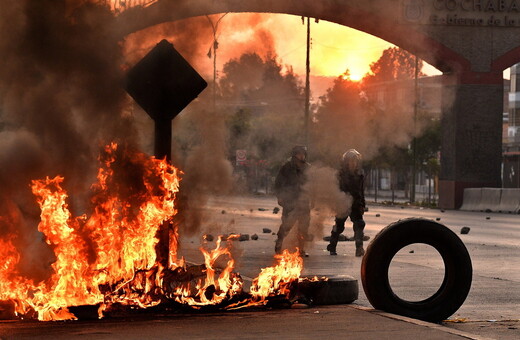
[[416, 272], [490, 311]]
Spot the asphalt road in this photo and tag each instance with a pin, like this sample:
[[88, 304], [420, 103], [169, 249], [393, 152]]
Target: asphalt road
[[491, 309]]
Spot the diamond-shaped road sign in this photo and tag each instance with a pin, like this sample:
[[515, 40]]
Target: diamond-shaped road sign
[[163, 83]]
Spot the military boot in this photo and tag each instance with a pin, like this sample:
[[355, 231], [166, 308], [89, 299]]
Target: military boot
[[359, 236], [331, 247], [360, 251]]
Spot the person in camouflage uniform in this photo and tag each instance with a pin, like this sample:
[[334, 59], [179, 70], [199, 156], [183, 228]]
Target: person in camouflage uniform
[[292, 198], [351, 181]]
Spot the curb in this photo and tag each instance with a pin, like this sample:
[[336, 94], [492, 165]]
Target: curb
[[421, 323]]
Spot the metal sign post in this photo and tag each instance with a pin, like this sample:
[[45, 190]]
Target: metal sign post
[[163, 83]]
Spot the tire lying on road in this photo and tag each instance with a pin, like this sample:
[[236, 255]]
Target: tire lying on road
[[457, 264], [336, 289]]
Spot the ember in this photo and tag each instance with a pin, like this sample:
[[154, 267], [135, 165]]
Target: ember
[[133, 196]]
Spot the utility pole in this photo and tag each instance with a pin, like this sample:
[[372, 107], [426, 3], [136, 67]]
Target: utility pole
[[214, 46], [414, 141], [307, 83]]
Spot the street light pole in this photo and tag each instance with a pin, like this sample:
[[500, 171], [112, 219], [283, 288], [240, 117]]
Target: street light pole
[[414, 141], [214, 26], [307, 84]]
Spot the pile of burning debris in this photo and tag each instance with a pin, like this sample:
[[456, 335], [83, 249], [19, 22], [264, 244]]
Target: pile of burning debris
[[107, 261]]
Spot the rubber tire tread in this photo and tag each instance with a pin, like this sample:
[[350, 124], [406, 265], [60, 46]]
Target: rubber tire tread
[[457, 264], [338, 289]]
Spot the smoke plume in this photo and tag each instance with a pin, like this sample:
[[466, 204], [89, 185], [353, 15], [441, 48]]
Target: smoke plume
[[193, 38], [326, 197], [60, 99], [201, 141]]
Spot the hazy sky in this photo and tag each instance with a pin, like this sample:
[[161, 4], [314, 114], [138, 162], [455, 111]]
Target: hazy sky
[[334, 47]]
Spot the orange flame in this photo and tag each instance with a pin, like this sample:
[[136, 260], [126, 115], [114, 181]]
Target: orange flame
[[134, 195], [12, 286], [214, 285], [276, 280], [71, 283]]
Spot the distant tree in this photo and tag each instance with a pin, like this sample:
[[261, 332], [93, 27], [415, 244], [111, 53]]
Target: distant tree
[[396, 121], [240, 126], [394, 64], [339, 121], [428, 145], [264, 105], [242, 76], [260, 84]]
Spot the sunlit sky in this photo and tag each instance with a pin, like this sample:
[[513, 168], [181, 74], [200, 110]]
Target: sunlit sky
[[335, 48]]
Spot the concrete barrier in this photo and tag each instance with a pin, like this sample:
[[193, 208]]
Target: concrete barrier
[[490, 200], [510, 201], [471, 199]]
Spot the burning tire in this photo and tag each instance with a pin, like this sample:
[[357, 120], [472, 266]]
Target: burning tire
[[457, 263], [336, 289]]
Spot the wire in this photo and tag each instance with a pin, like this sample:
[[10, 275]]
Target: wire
[[291, 51], [349, 49]]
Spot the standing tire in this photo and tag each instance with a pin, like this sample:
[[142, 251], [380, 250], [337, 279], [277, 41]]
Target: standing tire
[[457, 264]]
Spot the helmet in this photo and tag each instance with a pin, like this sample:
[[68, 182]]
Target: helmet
[[299, 149], [351, 160]]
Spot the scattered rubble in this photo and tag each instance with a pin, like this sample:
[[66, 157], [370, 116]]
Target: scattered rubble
[[254, 237], [464, 230], [343, 238]]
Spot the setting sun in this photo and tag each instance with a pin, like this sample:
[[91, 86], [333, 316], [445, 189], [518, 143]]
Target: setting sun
[[355, 77]]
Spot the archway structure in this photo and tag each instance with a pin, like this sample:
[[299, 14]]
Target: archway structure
[[470, 41]]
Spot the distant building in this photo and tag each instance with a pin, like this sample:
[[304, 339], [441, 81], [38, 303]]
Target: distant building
[[429, 90], [511, 131], [401, 93]]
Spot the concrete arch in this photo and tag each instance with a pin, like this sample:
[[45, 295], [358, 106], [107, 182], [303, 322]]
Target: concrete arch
[[355, 14], [470, 43], [506, 60]]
